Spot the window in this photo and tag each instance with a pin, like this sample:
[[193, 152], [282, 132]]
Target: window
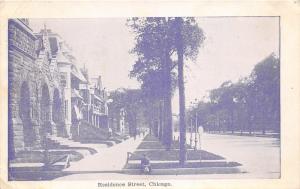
[[66, 109], [53, 46], [63, 79]]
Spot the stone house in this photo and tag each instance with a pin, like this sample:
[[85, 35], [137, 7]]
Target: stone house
[[48, 94], [35, 104]]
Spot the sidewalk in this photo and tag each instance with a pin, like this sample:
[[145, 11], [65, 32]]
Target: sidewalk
[[108, 159]]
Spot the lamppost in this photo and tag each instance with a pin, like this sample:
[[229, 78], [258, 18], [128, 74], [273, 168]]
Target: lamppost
[[191, 127], [196, 123], [160, 119], [110, 129]]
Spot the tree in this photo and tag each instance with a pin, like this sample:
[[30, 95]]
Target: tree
[[252, 103], [187, 41], [153, 49], [240, 97], [132, 102], [153, 88], [182, 126], [157, 39], [266, 83]]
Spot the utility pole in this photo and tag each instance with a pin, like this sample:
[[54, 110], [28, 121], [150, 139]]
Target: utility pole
[[196, 126]]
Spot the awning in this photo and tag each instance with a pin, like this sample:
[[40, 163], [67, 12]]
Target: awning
[[78, 74], [98, 98], [77, 113], [75, 94]]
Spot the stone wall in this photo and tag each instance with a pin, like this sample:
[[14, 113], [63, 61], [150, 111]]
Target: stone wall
[[28, 73]]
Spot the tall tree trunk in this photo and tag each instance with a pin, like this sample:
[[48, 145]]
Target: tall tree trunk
[[263, 128], [160, 120], [249, 124], [182, 155], [232, 121], [168, 130], [166, 65], [219, 124]]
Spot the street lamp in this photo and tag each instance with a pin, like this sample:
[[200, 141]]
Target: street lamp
[[191, 136], [196, 123], [191, 127], [160, 119], [109, 101]]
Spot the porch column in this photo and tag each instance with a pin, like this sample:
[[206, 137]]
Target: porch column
[[50, 118]]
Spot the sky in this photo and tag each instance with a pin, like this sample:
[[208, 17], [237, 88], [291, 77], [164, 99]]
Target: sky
[[232, 47]]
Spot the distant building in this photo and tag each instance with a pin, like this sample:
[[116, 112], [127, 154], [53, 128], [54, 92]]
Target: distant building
[[121, 125], [70, 77], [99, 109]]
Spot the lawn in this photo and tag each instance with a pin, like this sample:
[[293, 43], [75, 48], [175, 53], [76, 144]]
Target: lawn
[[38, 156], [151, 142], [150, 138], [172, 165], [151, 145], [173, 154], [153, 148], [156, 151]]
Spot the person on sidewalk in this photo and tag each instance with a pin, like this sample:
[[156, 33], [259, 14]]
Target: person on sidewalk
[[145, 165]]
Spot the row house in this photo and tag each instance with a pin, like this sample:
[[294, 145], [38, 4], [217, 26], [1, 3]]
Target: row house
[[85, 99], [35, 102], [95, 109], [70, 79], [99, 109], [48, 94]]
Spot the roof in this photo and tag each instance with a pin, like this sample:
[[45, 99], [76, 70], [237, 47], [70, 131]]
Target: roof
[[78, 74], [60, 58], [98, 98]]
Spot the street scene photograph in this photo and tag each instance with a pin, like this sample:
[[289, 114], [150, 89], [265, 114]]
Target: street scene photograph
[[144, 98]]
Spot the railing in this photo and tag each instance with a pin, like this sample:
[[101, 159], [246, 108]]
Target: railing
[[97, 109], [129, 154], [59, 159]]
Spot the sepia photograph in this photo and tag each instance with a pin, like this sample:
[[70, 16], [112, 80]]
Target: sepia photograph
[[144, 98]]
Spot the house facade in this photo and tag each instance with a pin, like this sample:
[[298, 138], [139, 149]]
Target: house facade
[[35, 102], [48, 94]]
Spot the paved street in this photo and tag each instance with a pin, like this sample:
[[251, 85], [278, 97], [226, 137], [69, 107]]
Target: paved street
[[260, 158]]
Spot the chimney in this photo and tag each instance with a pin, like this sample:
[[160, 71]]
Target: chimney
[[100, 82]]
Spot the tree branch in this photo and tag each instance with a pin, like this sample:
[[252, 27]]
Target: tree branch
[[171, 52], [174, 65]]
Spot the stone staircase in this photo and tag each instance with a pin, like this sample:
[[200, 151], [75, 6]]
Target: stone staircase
[[71, 144], [62, 151], [89, 134]]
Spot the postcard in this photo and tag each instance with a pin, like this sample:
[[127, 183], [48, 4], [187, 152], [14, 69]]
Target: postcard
[[137, 95]]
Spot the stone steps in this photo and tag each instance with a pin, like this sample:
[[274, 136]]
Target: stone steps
[[75, 144]]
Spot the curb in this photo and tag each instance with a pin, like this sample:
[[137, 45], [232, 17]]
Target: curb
[[187, 171]]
